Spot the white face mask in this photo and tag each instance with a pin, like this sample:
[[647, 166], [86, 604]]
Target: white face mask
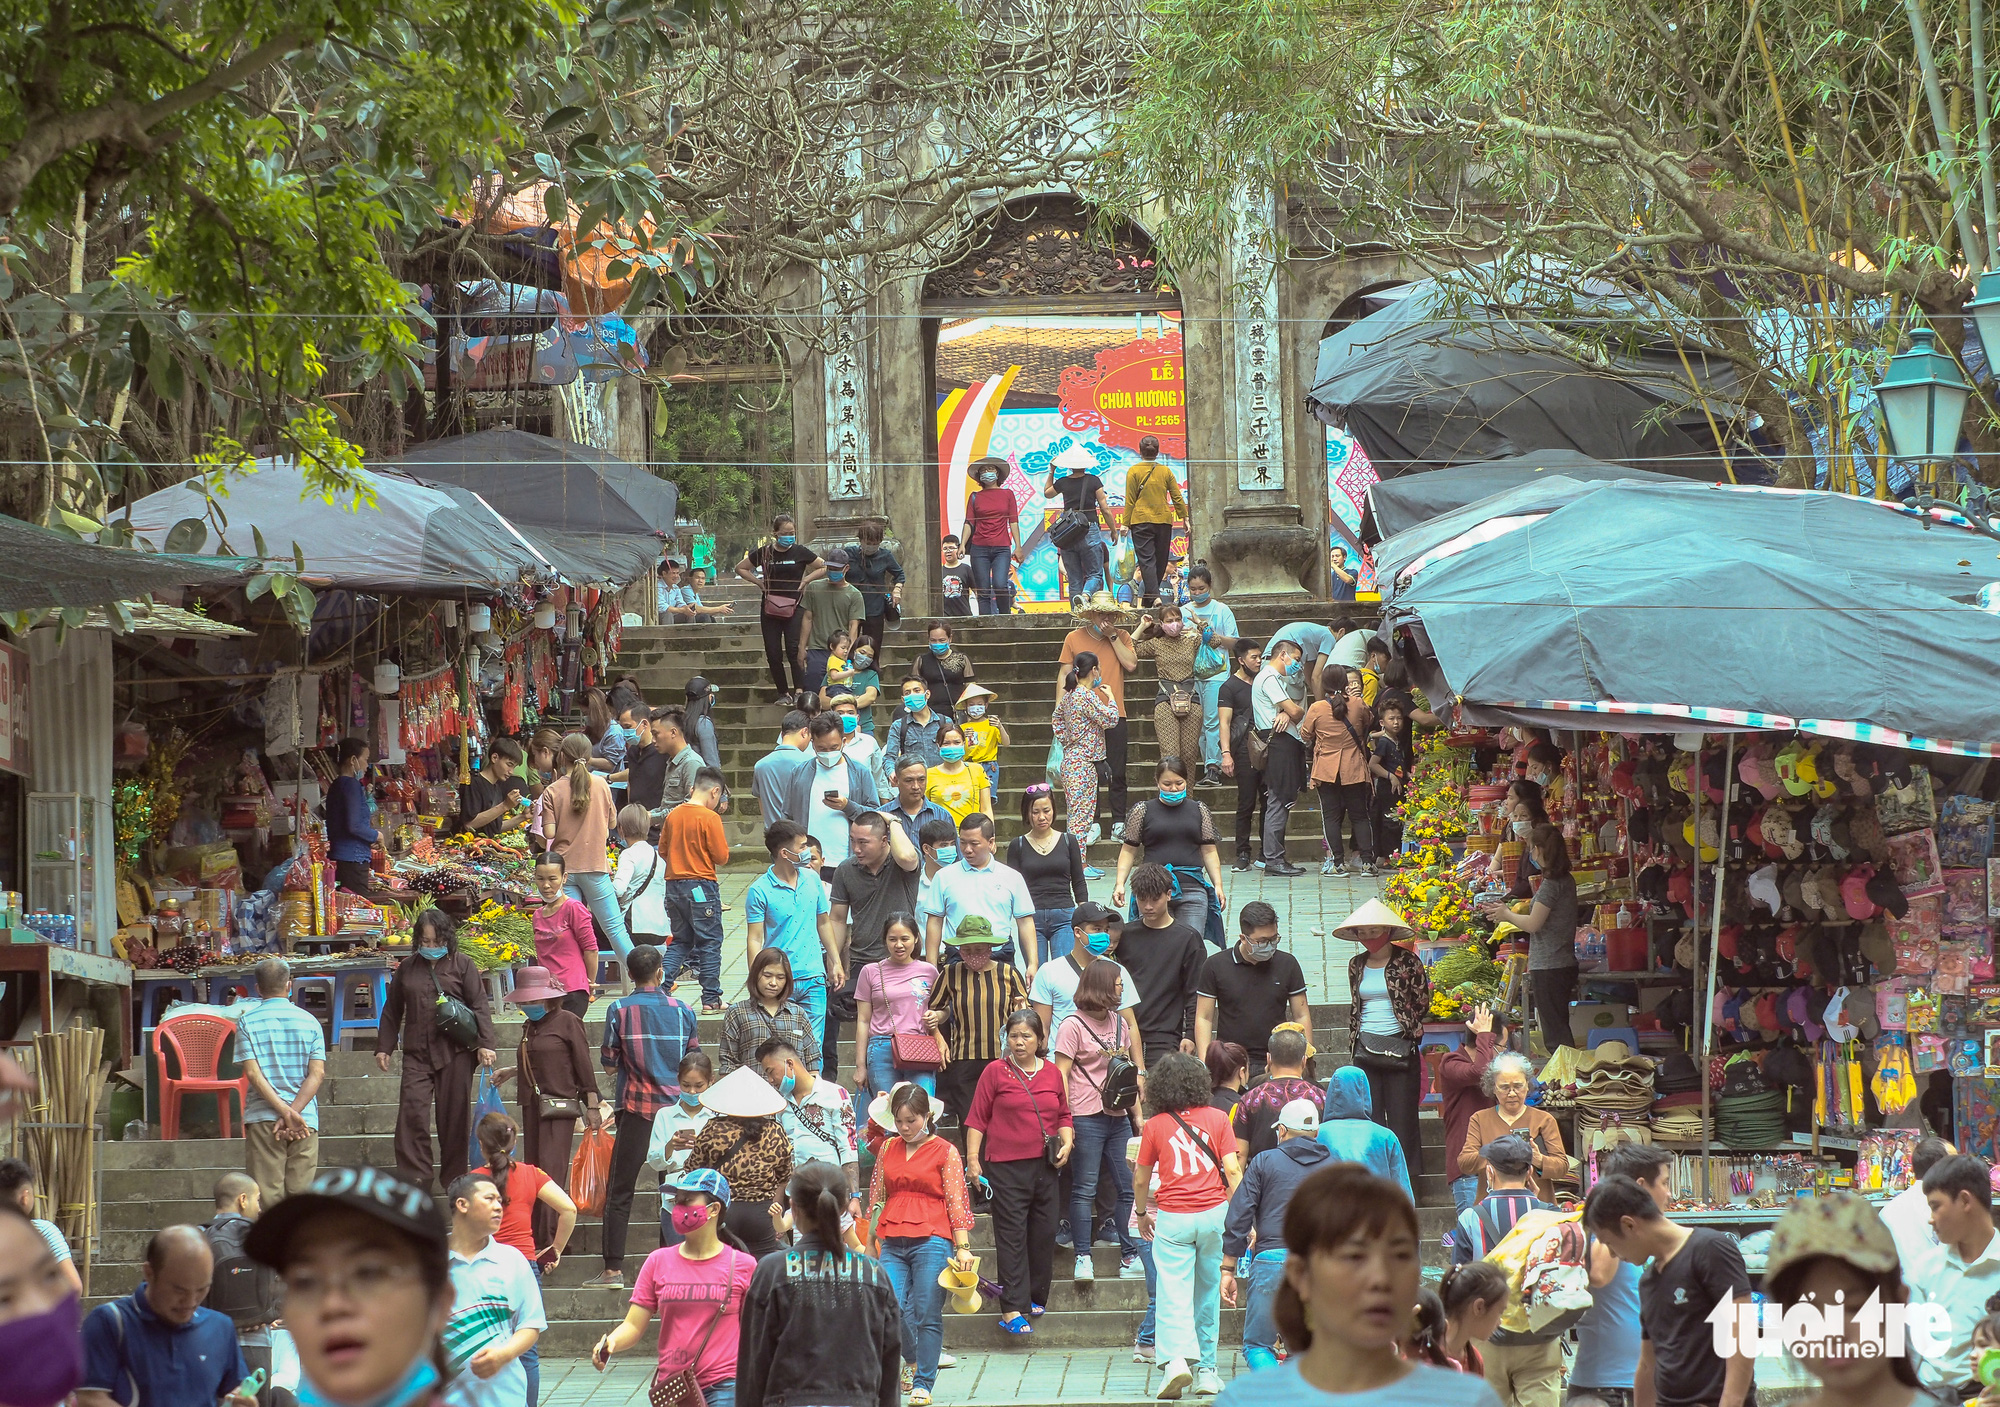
[[828, 760], [1521, 828], [975, 710]]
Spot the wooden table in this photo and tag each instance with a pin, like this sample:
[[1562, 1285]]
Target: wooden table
[[50, 965]]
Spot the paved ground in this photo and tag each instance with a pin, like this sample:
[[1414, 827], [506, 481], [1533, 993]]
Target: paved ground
[[1308, 908], [1083, 1375]]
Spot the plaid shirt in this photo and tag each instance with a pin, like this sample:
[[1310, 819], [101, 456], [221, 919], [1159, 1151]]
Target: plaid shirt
[[284, 1041], [645, 1036], [746, 1025]]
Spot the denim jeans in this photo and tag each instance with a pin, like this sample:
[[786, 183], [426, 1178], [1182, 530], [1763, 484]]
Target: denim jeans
[[1211, 720], [882, 1071], [531, 1363], [1100, 1143], [1187, 1256], [694, 912], [722, 1394], [810, 993], [991, 580], [1085, 569], [601, 896], [1148, 1325], [913, 1264], [1260, 1326], [1054, 935], [1465, 1192]]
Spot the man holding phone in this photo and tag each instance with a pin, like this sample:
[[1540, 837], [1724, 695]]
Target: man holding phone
[[832, 792]]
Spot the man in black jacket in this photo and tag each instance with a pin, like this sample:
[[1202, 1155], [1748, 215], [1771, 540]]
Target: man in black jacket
[[1162, 958]]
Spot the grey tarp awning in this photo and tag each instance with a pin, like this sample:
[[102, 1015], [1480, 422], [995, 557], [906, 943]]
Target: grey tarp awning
[[1439, 377], [414, 539], [1397, 504], [1753, 608], [41, 568]]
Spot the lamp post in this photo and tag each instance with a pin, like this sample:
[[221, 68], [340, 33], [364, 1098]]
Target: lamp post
[[1984, 310], [1923, 400]]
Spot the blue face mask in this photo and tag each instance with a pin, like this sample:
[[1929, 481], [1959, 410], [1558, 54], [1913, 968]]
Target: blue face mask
[[915, 702], [940, 647], [690, 1100], [1200, 598], [414, 1387], [951, 752], [1174, 798], [847, 724], [786, 539], [947, 854], [1098, 944], [433, 954], [1292, 667], [534, 1011], [787, 1085], [836, 576]]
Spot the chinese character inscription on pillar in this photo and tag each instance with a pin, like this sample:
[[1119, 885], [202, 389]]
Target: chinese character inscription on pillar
[[847, 470], [1260, 440]]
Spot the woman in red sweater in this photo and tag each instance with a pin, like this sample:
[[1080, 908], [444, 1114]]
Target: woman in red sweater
[[918, 1209]]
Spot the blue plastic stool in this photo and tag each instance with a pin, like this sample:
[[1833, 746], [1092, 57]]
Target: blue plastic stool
[[323, 985], [611, 964], [347, 987]]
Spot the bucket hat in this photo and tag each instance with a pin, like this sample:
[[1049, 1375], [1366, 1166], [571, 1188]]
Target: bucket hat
[[533, 984]]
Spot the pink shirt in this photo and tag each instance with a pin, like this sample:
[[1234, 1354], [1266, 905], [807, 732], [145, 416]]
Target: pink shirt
[[1088, 1041], [685, 1295], [896, 996], [566, 945]]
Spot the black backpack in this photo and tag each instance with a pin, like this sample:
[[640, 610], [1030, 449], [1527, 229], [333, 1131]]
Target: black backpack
[[248, 1292]]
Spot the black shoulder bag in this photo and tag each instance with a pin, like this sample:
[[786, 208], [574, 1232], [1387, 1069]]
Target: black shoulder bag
[[1120, 1090], [453, 1018], [1051, 1143]]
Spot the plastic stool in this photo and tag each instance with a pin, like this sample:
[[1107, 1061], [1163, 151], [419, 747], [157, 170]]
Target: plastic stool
[[150, 989], [347, 987], [319, 982], [612, 964], [223, 991]]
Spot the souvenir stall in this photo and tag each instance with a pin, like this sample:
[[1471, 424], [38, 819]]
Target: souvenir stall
[[1782, 865]]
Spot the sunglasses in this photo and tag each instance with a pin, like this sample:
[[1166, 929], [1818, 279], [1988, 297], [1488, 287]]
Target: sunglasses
[[1037, 789]]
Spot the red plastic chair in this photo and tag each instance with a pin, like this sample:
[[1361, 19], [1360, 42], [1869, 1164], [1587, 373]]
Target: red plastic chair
[[196, 1040]]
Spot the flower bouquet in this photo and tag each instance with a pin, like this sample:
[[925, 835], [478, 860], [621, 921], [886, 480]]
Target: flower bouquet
[[497, 937]]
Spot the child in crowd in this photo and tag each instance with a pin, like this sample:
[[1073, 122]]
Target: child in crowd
[[839, 673], [1385, 770], [953, 784], [985, 735], [955, 582]]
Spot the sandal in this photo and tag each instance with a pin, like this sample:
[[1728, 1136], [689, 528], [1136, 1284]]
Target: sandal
[[1016, 1324]]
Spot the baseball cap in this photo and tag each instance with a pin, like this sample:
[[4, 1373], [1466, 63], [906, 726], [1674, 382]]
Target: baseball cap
[[1837, 1224], [1095, 915], [836, 558], [1299, 1116], [703, 1180], [384, 1194]]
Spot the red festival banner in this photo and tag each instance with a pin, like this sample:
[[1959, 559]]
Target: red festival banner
[[1136, 390]]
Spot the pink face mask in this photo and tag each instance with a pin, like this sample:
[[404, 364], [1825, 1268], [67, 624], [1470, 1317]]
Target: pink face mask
[[686, 1219], [1170, 629]]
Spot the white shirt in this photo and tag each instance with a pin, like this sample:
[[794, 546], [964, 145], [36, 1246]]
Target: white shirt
[[1352, 650], [648, 905], [1378, 1013], [671, 1119], [1908, 1217], [495, 1295], [1055, 988], [823, 823], [1265, 696], [998, 892], [820, 1126], [1942, 1278], [865, 750]]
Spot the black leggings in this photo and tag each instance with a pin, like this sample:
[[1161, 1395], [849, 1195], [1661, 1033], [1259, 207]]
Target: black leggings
[[1554, 988], [871, 626], [1354, 800], [781, 648]]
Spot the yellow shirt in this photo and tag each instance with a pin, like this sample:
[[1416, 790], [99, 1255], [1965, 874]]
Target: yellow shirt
[[982, 740], [957, 792], [1152, 494], [1371, 685]]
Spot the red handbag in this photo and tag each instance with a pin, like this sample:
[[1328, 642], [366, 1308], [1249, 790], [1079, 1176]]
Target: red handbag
[[916, 1050]]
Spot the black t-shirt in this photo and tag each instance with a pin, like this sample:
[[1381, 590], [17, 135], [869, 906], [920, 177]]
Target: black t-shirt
[[784, 567], [870, 899], [956, 584], [1079, 491], [482, 793], [1250, 997], [1235, 694], [1054, 880], [1164, 966], [1675, 1300], [646, 776]]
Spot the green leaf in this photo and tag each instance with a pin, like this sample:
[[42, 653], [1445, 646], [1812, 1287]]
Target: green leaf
[[299, 558], [562, 117], [257, 537], [258, 586], [80, 523], [282, 583], [187, 536]]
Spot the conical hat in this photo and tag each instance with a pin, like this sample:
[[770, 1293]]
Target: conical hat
[[1373, 914], [743, 1093]]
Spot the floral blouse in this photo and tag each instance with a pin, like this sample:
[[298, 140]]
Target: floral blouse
[[1409, 989], [1081, 720]]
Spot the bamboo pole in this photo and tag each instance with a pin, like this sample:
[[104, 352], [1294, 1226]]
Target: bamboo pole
[[72, 1079]]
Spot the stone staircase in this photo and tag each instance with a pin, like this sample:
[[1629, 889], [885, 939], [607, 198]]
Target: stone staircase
[[1014, 655], [151, 1184]]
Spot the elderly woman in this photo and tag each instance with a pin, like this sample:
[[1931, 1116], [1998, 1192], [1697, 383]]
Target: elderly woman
[[1508, 1080], [1391, 995], [1018, 1106]]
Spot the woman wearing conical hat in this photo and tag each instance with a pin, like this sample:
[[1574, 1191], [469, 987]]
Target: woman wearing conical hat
[[1391, 993]]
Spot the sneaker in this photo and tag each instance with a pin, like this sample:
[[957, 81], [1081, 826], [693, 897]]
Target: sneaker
[[1242, 865], [606, 1280], [1092, 872], [945, 1360], [1086, 1268], [1107, 1232], [1132, 1268], [1283, 869], [1211, 775], [1206, 1384], [1329, 865], [1142, 1353], [1063, 1238], [1096, 834], [1178, 1377], [1370, 869], [1118, 831]]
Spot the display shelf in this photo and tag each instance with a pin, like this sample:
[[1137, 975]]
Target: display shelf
[[62, 859]]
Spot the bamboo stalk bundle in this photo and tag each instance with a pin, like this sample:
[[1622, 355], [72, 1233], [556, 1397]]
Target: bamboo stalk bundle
[[72, 1079]]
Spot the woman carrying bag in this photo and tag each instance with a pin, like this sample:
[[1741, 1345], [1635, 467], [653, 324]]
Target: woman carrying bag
[[1102, 1062], [1051, 863], [1020, 1123], [436, 1010], [780, 570], [1391, 995], [744, 1143], [922, 1221], [889, 1001], [558, 1083]]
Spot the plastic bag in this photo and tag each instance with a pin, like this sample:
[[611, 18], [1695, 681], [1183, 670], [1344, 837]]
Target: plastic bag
[[488, 1102], [1052, 769], [590, 1171]]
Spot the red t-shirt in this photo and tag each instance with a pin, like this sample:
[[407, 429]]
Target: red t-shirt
[[992, 511], [525, 1182], [1190, 1181]]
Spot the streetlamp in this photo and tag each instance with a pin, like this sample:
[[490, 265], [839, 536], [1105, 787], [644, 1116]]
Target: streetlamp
[[1985, 311], [1923, 400]]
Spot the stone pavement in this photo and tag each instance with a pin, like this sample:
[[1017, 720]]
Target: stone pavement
[[1096, 1376], [1308, 908]]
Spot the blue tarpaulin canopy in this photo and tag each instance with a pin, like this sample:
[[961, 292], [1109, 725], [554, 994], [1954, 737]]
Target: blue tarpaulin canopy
[[1396, 505], [1662, 606]]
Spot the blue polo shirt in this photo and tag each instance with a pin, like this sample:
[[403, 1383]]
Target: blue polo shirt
[[790, 915], [139, 1358], [1314, 640]]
